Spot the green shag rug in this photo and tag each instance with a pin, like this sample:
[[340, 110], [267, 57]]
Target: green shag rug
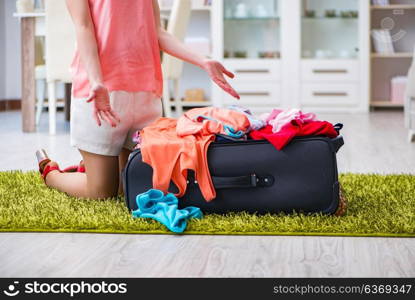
[[379, 205]]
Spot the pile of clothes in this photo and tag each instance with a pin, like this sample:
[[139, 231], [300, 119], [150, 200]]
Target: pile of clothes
[[174, 146]]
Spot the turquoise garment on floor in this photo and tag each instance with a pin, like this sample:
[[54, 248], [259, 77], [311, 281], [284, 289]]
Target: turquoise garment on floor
[[164, 209]]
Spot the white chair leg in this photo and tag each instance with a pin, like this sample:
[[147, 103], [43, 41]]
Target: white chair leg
[[40, 95], [166, 99], [177, 99], [52, 107]]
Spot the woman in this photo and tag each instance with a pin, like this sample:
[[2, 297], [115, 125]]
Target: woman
[[117, 86]]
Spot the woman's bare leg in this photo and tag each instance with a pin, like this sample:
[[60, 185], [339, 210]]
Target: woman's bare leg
[[122, 161], [101, 179], [73, 184]]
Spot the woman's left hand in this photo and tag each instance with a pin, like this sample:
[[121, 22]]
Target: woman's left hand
[[216, 72]]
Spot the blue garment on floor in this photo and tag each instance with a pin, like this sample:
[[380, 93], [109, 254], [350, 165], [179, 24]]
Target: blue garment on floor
[[164, 209]]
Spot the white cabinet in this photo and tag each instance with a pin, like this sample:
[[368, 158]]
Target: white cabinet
[[327, 71], [247, 39], [255, 94], [329, 95], [334, 55], [255, 69], [311, 54], [329, 84], [257, 82]]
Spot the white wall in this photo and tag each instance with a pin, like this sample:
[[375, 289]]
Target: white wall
[[2, 52], [12, 50]]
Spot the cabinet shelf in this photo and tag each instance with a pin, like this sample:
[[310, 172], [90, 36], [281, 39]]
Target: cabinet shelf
[[192, 103], [392, 55], [250, 60], [392, 6], [331, 19], [254, 19], [385, 103], [30, 14], [194, 8], [329, 59]]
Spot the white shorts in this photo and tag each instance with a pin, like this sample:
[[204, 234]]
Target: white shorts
[[136, 110]]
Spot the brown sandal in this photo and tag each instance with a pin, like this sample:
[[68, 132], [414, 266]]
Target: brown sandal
[[45, 164], [342, 208]]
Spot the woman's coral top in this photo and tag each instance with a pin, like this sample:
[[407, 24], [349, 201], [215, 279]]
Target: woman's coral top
[[128, 48]]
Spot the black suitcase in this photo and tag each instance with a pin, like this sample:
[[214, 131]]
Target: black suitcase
[[255, 177]]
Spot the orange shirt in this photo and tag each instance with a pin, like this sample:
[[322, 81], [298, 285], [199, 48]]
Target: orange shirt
[[172, 147], [211, 120], [128, 48]]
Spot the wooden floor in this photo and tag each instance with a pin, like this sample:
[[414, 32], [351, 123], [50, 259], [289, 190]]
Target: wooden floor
[[374, 143], [95, 255]]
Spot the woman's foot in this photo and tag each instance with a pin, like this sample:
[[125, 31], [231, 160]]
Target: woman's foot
[[81, 167], [50, 167], [46, 166]]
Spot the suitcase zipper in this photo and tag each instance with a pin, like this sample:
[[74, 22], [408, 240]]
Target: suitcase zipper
[[256, 142], [252, 142]]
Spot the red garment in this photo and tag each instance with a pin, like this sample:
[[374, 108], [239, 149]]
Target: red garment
[[293, 129]]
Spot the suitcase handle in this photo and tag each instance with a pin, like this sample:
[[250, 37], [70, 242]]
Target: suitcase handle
[[249, 181], [338, 127], [337, 143]]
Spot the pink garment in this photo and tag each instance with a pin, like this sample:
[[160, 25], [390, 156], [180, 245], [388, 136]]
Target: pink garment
[[137, 140], [278, 118], [128, 48], [211, 120]]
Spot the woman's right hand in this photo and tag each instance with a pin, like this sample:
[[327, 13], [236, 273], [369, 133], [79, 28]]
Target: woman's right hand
[[102, 107]]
